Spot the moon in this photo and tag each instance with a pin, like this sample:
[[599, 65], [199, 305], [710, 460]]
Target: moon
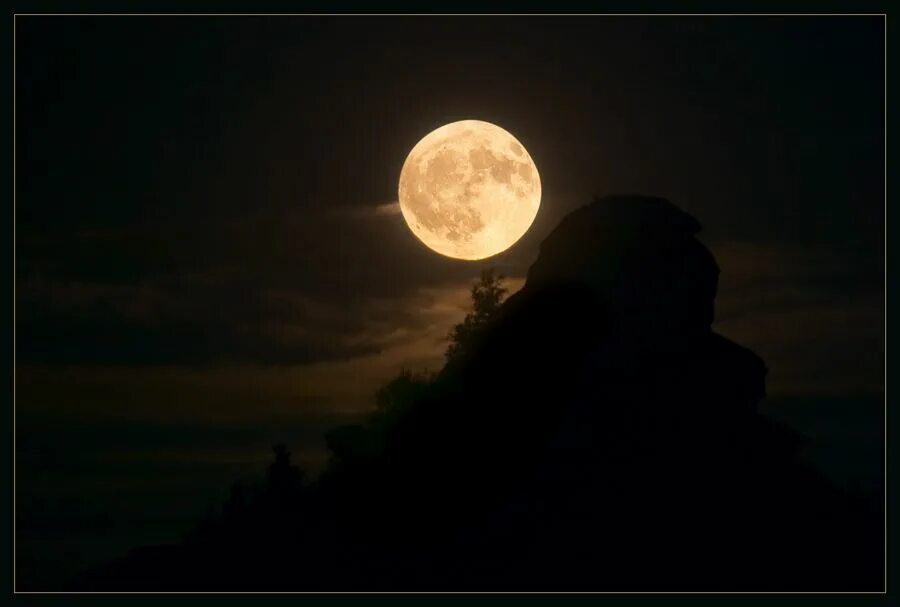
[[469, 190]]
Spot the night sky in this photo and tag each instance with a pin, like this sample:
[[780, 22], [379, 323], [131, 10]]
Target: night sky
[[210, 258]]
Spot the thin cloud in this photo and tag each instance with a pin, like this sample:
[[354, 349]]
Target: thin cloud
[[389, 208], [369, 211]]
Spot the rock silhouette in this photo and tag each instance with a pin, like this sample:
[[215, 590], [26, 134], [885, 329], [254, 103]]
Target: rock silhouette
[[599, 437]]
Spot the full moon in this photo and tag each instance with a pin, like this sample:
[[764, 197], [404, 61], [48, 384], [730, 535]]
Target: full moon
[[469, 190]]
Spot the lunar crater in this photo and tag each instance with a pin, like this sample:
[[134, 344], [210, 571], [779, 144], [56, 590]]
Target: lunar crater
[[469, 190]]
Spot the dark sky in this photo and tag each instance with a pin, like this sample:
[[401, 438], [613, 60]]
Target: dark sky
[[207, 260]]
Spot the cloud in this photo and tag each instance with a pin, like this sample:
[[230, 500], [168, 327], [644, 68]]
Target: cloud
[[368, 211], [390, 208], [244, 292], [159, 323], [396, 333], [816, 316], [168, 322]]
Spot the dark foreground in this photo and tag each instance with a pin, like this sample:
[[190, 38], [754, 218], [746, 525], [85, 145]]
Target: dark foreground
[[598, 436]]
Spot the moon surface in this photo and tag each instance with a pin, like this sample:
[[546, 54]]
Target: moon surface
[[469, 190]]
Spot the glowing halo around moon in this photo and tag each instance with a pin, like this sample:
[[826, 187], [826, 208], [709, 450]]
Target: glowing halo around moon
[[469, 190]]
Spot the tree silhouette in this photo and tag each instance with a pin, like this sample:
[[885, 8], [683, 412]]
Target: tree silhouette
[[487, 295], [235, 507], [285, 480], [395, 399]]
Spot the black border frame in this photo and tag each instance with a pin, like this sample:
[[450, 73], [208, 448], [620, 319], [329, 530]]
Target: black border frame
[[726, 9]]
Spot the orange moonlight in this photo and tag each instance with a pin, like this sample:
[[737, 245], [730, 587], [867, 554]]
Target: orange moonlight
[[469, 190]]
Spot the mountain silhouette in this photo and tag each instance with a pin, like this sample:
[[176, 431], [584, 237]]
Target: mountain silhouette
[[598, 436]]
